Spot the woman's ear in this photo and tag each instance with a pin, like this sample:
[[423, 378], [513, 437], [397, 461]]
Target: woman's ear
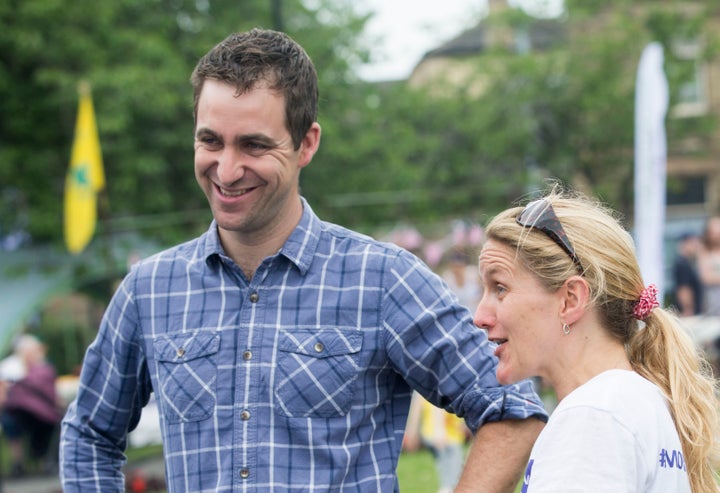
[[576, 297]]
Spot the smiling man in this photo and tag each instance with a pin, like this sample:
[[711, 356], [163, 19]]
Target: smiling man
[[282, 350]]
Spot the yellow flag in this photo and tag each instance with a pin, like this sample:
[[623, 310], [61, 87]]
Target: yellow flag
[[85, 177]]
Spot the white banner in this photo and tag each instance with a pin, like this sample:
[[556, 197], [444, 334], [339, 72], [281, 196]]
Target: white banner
[[651, 104]]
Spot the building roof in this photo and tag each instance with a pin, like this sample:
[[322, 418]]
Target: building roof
[[539, 35], [469, 42]]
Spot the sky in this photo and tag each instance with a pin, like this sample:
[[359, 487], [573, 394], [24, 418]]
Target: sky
[[406, 29]]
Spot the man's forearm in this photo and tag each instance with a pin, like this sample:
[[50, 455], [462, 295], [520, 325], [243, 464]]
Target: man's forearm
[[498, 456], [87, 464]]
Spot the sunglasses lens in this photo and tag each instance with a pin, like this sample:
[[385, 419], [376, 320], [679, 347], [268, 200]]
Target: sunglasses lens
[[534, 212], [540, 215]]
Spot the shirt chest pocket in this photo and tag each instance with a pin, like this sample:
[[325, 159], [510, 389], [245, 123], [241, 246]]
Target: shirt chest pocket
[[316, 371], [187, 374]]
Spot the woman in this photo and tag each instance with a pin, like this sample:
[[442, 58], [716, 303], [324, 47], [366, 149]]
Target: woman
[[30, 412], [709, 265], [564, 300]]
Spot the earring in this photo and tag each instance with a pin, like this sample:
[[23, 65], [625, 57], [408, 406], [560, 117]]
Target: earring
[[566, 329]]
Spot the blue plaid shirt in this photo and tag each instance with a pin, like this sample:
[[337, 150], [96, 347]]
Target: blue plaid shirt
[[298, 380]]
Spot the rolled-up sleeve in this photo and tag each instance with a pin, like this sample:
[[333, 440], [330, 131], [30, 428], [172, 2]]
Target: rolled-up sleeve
[[433, 343]]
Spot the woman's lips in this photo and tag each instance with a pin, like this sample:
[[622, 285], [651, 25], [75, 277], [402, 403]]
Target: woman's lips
[[500, 343]]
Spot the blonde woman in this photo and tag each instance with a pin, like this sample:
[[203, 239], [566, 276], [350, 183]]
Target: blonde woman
[[564, 300]]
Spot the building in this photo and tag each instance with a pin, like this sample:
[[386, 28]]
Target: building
[[478, 55]]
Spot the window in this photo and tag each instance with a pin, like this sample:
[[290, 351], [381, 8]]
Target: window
[[685, 190], [692, 93]]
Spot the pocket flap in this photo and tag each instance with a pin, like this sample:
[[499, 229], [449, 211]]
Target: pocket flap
[[321, 343], [179, 348]]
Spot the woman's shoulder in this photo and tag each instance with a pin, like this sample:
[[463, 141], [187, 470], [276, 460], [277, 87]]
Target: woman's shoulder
[[623, 394]]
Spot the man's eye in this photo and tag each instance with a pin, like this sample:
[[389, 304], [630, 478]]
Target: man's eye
[[209, 140], [256, 146]]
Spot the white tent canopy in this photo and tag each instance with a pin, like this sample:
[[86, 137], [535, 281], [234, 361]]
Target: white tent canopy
[[28, 278]]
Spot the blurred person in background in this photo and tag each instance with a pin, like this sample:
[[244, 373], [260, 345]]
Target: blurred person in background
[[709, 272], [687, 286], [462, 277], [443, 434], [709, 266], [31, 412], [564, 299]]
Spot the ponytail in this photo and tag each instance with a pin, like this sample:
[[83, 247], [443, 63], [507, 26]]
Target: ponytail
[[664, 354]]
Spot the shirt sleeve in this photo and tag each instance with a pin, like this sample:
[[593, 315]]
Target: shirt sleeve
[[433, 344], [110, 397], [585, 449]]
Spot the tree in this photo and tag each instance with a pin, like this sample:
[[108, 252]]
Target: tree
[[138, 56], [578, 98], [389, 152], [564, 108]]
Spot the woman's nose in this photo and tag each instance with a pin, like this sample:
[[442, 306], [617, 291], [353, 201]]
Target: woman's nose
[[484, 316]]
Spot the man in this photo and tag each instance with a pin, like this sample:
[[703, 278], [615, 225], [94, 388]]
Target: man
[[282, 349]]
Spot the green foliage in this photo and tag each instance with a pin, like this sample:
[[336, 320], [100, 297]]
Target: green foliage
[[388, 152], [138, 56], [566, 111]]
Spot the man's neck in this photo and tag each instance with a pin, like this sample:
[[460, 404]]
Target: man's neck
[[248, 251]]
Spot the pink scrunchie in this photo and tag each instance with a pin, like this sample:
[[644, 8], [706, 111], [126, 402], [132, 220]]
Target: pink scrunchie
[[646, 303]]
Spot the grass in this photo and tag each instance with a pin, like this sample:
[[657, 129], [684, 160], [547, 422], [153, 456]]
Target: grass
[[141, 453], [416, 473]]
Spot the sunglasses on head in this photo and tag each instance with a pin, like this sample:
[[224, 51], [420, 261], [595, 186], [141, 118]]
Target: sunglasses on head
[[539, 214]]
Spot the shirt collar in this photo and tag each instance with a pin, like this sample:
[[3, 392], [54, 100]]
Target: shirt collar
[[299, 248], [210, 246], [302, 243]]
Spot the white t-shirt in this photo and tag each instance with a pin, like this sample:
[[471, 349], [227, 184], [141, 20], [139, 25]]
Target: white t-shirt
[[613, 434]]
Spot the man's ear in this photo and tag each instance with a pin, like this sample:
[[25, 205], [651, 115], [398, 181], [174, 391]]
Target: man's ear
[[309, 145], [576, 297]]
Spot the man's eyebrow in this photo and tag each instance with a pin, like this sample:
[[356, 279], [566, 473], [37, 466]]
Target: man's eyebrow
[[256, 137], [204, 130]]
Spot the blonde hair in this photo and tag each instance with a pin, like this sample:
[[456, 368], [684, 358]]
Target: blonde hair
[[661, 351]]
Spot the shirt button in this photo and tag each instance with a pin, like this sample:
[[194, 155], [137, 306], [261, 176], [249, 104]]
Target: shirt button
[[244, 472], [254, 297], [319, 346], [180, 352], [245, 415], [247, 355]]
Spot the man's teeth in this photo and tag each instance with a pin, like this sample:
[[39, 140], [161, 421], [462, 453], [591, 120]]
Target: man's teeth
[[237, 193]]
